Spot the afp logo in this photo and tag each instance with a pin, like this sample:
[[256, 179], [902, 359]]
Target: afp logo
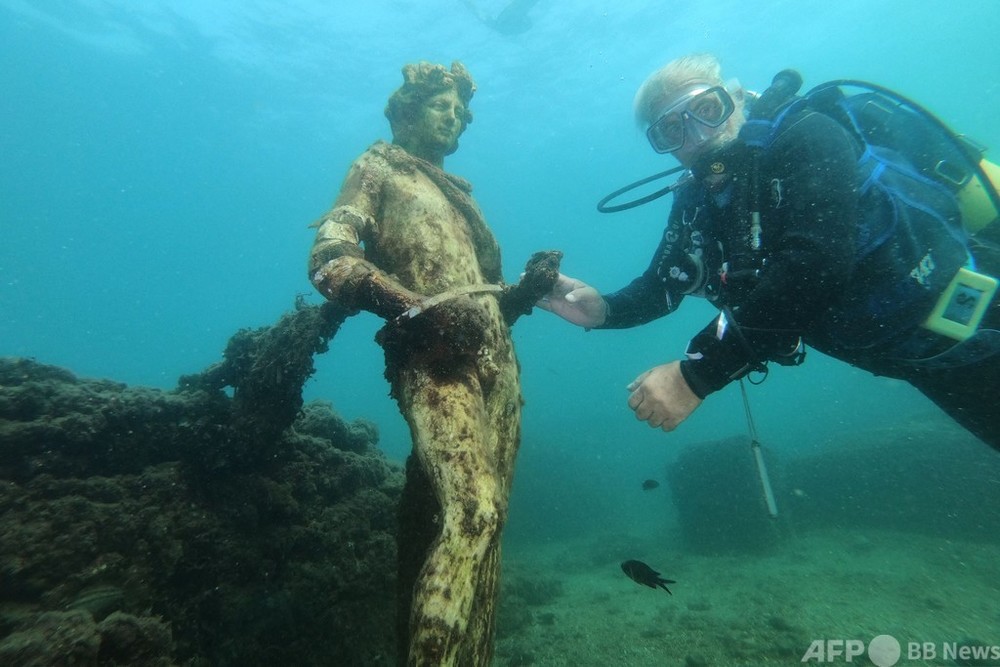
[[883, 651]]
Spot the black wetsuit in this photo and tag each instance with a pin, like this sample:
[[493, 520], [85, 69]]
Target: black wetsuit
[[823, 274]]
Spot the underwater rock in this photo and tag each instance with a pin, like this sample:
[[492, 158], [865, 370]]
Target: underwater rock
[[716, 490], [73, 638], [925, 477], [134, 641], [319, 420], [98, 601], [54, 638], [266, 369], [142, 527]]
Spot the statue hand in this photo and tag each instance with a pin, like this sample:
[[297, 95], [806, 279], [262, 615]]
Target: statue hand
[[540, 275], [357, 284]]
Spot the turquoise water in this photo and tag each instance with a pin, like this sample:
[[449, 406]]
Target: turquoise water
[[160, 163]]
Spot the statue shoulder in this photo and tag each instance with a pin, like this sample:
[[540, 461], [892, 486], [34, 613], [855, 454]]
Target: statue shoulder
[[374, 157], [369, 172], [389, 156]]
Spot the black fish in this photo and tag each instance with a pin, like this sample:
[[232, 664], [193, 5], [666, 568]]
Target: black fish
[[650, 484], [643, 574]]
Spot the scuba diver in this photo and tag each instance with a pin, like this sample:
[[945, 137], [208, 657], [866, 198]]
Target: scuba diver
[[512, 19], [801, 233]]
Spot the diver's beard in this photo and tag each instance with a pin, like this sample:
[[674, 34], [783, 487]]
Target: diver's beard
[[722, 159], [718, 141]]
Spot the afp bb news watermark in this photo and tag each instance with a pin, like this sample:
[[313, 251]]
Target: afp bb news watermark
[[886, 651]]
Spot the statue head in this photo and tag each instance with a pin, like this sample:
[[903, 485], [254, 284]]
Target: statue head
[[431, 109]]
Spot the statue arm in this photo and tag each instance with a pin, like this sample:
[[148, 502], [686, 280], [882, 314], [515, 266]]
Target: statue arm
[[337, 264]]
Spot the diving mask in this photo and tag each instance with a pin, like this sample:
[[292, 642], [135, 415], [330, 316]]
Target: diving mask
[[709, 107]]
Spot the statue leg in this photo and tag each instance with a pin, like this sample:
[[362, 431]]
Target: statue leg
[[452, 439], [503, 407], [418, 528]]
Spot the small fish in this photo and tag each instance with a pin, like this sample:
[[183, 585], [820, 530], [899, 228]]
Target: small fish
[[643, 574], [650, 484]]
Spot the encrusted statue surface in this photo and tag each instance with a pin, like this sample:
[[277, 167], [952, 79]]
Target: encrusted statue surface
[[406, 241]]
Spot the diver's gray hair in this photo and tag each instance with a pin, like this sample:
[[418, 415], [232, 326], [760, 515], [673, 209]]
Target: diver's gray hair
[[664, 82]]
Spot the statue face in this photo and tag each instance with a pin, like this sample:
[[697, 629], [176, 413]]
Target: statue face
[[434, 132]]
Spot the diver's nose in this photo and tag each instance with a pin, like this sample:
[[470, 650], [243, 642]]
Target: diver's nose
[[697, 133]]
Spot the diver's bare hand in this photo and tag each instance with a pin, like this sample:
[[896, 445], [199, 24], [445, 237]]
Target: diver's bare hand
[[661, 397], [575, 301]]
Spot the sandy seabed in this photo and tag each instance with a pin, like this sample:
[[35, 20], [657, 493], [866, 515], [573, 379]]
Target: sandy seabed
[[568, 603]]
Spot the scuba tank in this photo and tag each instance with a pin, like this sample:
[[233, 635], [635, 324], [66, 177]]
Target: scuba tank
[[975, 201]]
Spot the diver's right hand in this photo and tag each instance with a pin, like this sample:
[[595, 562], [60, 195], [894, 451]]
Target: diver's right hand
[[575, 301]]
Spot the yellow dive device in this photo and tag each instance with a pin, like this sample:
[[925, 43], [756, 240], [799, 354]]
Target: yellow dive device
[[975, 203], [962, 304]]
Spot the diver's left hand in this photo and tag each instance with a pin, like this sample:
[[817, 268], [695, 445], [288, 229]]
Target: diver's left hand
[[661, 397]]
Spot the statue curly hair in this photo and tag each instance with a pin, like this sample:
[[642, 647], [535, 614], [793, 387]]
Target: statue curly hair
[[424, 80]]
